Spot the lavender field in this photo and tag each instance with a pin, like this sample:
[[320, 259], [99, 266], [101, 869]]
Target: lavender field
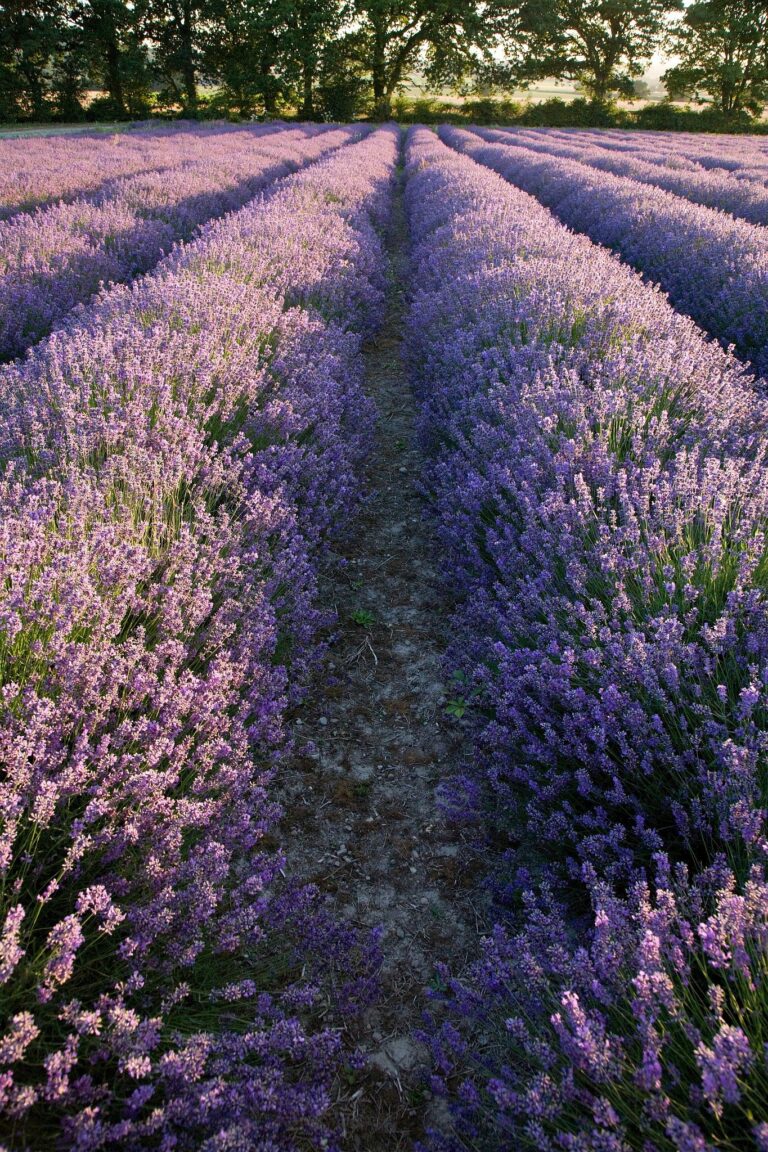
[[384, 640]]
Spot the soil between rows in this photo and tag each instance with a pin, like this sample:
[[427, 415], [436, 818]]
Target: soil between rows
[[361, 817]]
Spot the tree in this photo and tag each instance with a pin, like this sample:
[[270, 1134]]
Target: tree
[[723, 50], [111, 39], [602, 44], [343, 85], [67, 70], [242, 48], [448, 38], [100, 22], [312, 26], [28, 42], [175, 28], [267, 52]]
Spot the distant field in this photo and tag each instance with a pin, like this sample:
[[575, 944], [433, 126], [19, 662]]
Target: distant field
[[58, 129]]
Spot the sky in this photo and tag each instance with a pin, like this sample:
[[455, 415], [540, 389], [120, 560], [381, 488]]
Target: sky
[[658, 64]]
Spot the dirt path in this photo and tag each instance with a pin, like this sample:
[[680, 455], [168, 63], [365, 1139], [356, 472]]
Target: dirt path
[[361, 817]]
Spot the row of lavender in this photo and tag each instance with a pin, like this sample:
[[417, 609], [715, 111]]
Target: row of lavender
[[714, 267], [743, 158], [745, 199], [600, 476], [38, 170], [172, 464], [746, 158], [57, 257]]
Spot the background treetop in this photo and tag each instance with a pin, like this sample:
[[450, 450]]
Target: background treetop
[[335, 59]]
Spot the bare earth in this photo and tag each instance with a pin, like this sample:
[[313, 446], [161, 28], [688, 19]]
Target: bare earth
[[361, 817]]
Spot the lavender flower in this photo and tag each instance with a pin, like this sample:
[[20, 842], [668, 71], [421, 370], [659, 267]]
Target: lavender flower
[[58, 256], [712, 266], [745, 199], [598, 478], [175, 459]]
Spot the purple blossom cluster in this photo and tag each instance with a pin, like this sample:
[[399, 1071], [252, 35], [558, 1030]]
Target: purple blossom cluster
[[58, 256], [714, 267], [742, 198], [598, 472], [173, 462], [40, 169], [649, 1035], [742, 157]]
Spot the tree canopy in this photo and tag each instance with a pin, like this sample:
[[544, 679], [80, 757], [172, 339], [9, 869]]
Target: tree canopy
[[723, 51], [604, 45], [330, 58]]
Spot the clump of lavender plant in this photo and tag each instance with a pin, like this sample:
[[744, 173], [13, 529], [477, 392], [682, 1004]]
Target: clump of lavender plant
[[599, 481], [650, 1035], [173, 465]]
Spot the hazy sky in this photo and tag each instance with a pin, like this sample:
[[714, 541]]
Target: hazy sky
[[658, 65]]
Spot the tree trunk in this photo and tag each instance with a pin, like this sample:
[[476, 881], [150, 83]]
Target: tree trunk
[[267, 86], [39, 107], [727, 99], [382, 106], [114, 77], [188, 63], [601, 86], [382, 102], [308, 91], [269, 92], [190, 88]]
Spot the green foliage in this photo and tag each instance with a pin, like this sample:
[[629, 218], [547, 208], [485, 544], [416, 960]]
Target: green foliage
[[723, 50], [67, 78], [28, 42], [240, 47], [667, 117], [424, 110], [602, 44], [458, 705], [342, 98], [114, 55], [363, 618], [488, 111], [176, 29], [554, 113], [52, 51], [576, 114], [104, 108], [310, 46], [448, 40], [342, 59], [343, 88], [428, 110], [456, 708]]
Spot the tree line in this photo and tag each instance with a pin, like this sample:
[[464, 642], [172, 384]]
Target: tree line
[[335, 59]]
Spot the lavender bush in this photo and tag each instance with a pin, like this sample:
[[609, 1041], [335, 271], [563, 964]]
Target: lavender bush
[[743, 158], [172, 462], [598, 470], [650, 1036], [745, 199], [714, 268], [57, 257], [36, 170]]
